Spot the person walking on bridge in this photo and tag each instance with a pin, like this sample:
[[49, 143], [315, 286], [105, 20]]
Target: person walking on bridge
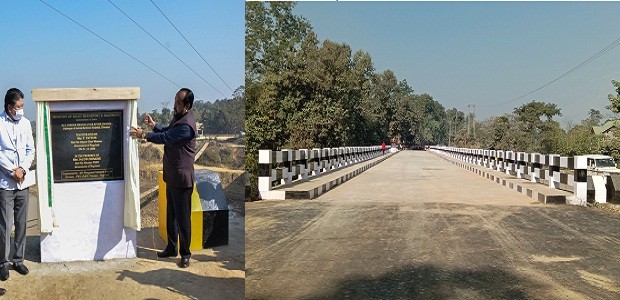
[[179, 140], [383, 147]]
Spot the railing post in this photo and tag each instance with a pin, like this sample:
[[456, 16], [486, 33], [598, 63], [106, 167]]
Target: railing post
[[333, 158], [520, 164], [567, 163], [265, 174], [303, 161], [527, 159], [500, 161], [581, 178], [282, 159], [539, 161], [510, 156], [325, 166], [315, 157], [554, 171], [600, 187]]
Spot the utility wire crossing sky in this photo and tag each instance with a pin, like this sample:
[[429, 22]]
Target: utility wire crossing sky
[[62, 44], [494, 55]]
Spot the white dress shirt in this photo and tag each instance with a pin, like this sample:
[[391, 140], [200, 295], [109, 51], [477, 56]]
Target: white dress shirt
[[16, 148]]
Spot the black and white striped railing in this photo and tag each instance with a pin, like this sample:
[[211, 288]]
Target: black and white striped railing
[[278, 168], [560, 172]]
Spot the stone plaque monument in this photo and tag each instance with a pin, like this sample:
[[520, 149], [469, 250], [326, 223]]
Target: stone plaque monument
[[87, 167]]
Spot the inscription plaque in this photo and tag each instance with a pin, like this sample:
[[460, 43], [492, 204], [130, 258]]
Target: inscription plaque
[[87, 145]]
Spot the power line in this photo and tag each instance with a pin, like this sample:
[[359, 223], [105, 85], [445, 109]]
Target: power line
[[190, 44], [162, 45], [598, 54], [109, 43]]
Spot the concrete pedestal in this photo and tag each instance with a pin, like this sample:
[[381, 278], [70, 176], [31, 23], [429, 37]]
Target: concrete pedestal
[[89, 216]]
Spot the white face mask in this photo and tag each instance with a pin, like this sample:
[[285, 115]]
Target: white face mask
[[19, 113]]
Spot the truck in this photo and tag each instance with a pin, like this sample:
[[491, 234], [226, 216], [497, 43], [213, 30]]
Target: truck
[[605, 164]]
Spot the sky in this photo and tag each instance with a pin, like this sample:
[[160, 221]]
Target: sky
[[39, 48], [484, 53]]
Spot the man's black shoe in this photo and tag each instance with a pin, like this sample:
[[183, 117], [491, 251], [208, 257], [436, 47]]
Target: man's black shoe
[[20, 268], [184, 263], [164, 254], [2, 291], [4, 272]]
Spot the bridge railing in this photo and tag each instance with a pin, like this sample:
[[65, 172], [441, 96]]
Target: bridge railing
[[559, 172], [278, 168]]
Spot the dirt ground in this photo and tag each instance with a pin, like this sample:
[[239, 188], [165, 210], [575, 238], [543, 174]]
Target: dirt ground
[[215, 273]]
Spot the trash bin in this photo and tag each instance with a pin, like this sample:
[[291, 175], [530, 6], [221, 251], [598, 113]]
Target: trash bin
[[209, 218]]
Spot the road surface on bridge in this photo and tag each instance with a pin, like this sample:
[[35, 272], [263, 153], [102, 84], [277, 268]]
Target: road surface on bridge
[[416, 226]]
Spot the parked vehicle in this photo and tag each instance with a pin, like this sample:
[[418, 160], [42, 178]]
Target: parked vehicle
[[602, 163]]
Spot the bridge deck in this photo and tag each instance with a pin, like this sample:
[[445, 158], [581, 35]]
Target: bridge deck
[[316, 186], [417, 226], [536, 191]]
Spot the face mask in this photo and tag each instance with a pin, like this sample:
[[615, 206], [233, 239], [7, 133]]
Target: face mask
[[19, 113]]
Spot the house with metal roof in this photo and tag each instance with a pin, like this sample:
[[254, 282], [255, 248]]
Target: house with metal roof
[[607, 128]]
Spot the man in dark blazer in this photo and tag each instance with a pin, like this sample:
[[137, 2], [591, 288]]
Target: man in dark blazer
[[179, 140]]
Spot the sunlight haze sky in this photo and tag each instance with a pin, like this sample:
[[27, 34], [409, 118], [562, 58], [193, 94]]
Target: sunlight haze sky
[[42, 49], [484, 53]]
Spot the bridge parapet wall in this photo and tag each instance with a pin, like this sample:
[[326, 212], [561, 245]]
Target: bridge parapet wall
[[559, 172], [279, 168]]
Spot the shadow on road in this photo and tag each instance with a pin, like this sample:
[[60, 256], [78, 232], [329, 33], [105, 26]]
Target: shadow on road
[[431, 282], [33, 248], [183, 283], [235, 194], [229, 262], [149, 242]]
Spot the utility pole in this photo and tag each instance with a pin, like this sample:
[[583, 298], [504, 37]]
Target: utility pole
[[449, 130], [468, 121], [473, 122]]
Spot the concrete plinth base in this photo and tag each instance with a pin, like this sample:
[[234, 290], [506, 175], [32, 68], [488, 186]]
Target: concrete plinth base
[[89, 216]]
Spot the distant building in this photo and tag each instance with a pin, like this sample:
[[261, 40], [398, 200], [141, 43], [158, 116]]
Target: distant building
[[199, 127], [607, 128]]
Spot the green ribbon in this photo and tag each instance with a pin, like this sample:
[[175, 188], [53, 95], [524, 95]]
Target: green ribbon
[[47, 152]]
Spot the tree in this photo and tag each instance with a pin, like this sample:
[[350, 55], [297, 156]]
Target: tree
[[431, 122], [579, 140], [594, 118], [271, 30], [614, 106], [455, 122], [273, 34], [540, 131], [500, 128], [368, 119], [166, 116]]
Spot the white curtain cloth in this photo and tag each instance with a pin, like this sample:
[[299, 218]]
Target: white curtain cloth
[[132, 173], [44, 169]]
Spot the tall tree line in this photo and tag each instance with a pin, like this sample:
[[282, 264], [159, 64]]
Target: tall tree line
[[532, 127], [221, 116], [305, 93]]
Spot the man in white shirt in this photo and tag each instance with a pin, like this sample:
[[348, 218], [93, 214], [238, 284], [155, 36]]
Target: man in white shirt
[[16, 155]]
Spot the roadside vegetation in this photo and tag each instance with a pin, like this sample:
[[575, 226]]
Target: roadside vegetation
[[305, 93]]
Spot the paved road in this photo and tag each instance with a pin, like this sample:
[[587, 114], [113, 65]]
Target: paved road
[[418, 227]]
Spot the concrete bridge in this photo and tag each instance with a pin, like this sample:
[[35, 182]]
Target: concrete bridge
[[427, 225]]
